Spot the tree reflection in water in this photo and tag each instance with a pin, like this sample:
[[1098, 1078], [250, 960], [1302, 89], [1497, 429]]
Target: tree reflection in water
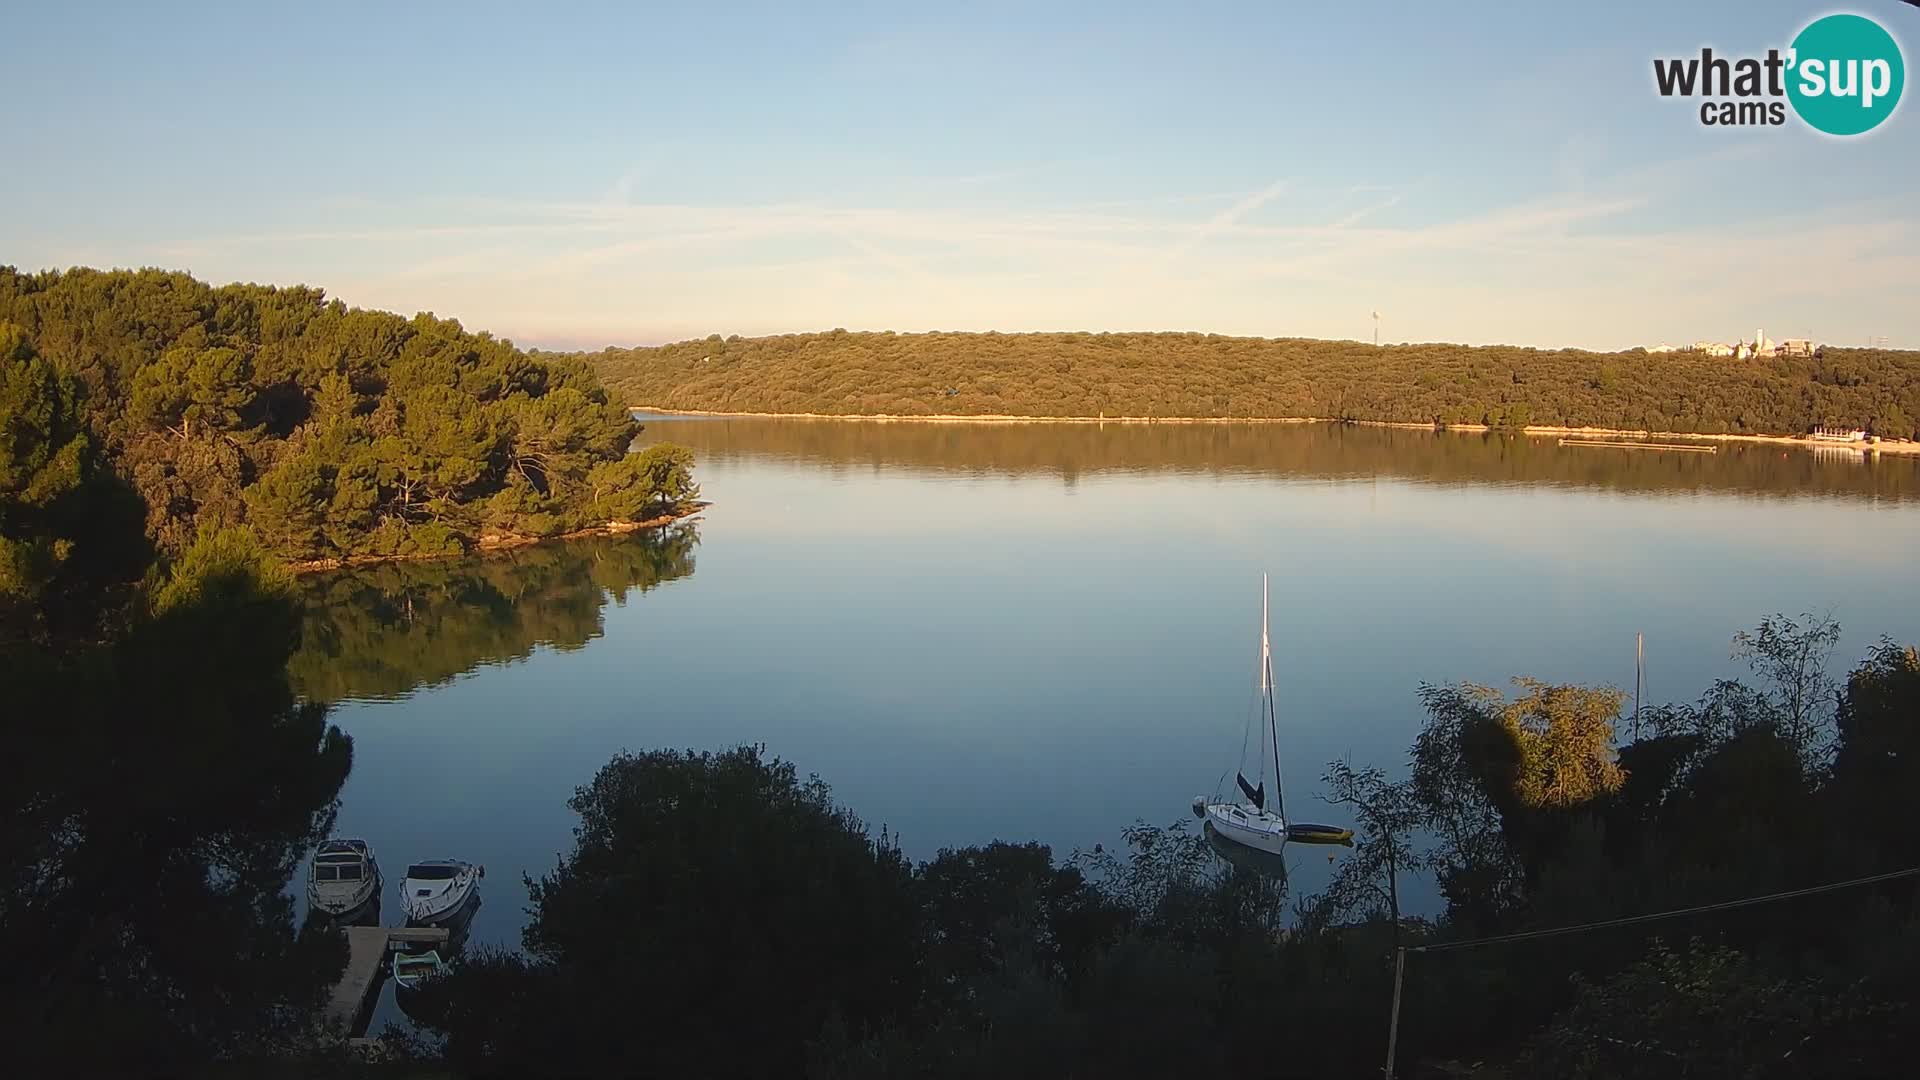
[[385, 630]]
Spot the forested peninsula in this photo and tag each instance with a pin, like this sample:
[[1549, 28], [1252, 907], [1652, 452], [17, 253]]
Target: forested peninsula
[[1180, 375], [331, 433]]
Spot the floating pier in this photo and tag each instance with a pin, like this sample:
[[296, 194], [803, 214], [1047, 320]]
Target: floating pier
[[1640, 444], [367, 946]]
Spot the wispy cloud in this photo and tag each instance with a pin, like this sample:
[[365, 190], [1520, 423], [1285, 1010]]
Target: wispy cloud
[[1606, 265], [1000, 176], [1225, 219], [1354, 217], [622, 189]]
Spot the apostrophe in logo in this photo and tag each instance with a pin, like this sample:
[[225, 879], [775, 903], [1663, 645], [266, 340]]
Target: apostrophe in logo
[[1843, 75], [1847, 74]]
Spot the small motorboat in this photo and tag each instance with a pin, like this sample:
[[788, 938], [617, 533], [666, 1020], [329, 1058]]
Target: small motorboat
[[411, 970], [436, 891], [343, 878]]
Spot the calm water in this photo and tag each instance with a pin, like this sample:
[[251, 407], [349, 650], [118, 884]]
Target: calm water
[[1048, 631]]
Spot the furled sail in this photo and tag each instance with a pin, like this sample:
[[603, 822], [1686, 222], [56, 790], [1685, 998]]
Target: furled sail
[[1255, 795]]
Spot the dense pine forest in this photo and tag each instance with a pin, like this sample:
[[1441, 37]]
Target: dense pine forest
[[327, 431], [1206, 375]]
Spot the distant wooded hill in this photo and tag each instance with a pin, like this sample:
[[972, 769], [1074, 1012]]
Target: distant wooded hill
[[1206, 375]]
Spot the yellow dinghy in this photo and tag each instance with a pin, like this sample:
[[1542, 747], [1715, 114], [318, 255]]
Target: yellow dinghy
[[1303, 833]]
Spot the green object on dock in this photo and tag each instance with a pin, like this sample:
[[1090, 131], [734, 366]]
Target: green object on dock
[[367, 946]]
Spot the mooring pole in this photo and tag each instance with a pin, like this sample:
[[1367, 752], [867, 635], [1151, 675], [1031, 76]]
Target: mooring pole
[[1393, 1025]]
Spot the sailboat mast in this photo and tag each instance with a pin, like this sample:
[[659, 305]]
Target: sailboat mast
[[1639, 676], [1273, 716]]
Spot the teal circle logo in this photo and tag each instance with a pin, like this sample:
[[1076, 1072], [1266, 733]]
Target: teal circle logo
[[1847, 74]]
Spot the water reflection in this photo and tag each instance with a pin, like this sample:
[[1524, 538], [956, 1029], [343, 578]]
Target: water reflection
[[367, 914], [1266, 864], [968, 652], [1299, 451], [383, 631]]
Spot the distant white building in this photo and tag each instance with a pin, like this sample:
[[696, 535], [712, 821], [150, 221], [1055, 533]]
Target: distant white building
[[1841, 435], [1761, 345]]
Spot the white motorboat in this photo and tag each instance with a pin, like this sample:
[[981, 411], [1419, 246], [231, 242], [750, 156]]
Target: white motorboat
[[342, 878], [435, 892], [1250, 822]]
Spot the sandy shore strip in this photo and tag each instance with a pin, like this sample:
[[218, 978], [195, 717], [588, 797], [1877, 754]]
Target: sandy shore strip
[[1883, 446]]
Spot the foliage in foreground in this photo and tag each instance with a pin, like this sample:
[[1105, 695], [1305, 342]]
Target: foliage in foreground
[[1207, 375], [160, 787], [999, 961], [715, 912]]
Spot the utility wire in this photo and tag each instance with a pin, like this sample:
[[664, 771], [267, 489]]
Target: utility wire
[[1400, 955], [1632, 919]]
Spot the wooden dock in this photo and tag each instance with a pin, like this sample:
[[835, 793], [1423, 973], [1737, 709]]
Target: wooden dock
[[367, 946], [1641, 444]]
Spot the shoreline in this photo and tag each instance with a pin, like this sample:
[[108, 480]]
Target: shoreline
[[495, 543], [1885, 446]]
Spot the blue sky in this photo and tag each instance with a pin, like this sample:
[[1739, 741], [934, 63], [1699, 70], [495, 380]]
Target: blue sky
[[621, 174]]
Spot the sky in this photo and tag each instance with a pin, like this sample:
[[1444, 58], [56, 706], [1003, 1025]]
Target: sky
[[585, 175]]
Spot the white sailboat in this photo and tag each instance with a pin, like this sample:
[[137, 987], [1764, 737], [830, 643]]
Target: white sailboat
[[1251, 822]]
